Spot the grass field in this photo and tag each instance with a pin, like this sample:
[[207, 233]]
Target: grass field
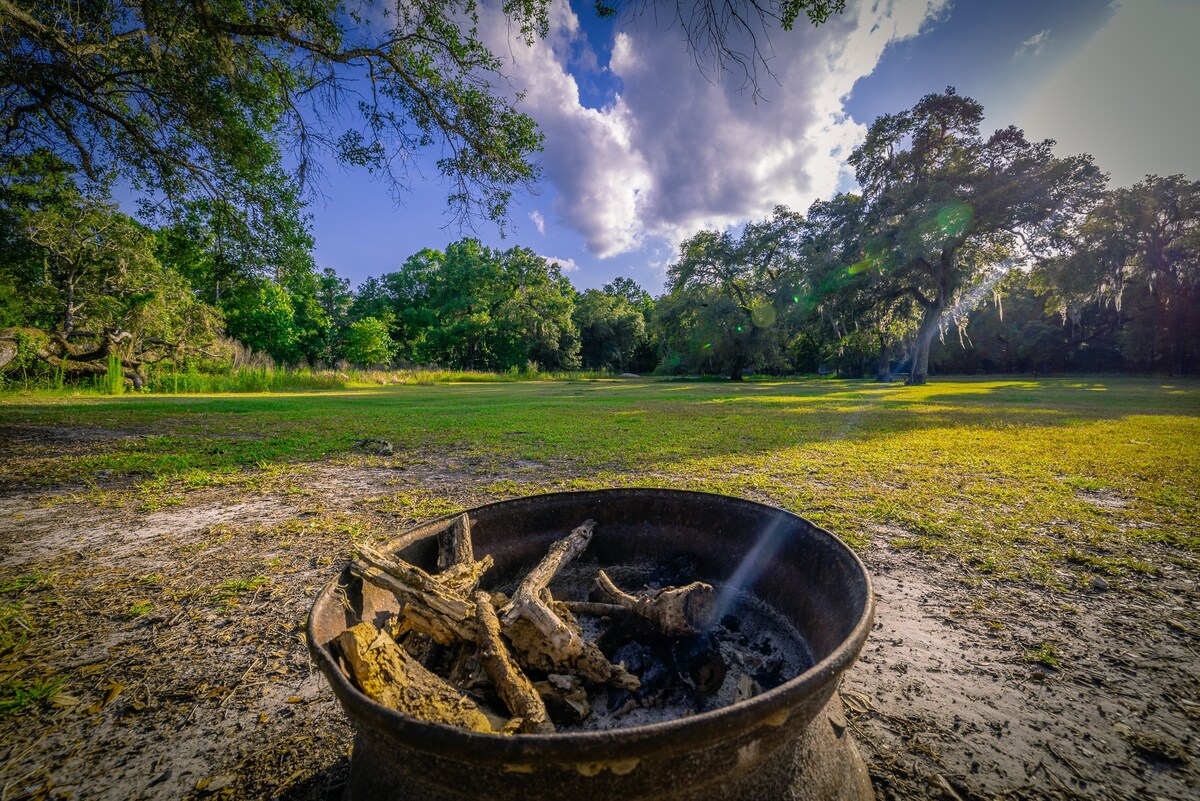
[[1052, 481]]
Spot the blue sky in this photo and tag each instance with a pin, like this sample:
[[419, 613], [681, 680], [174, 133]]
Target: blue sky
[[643, 148]]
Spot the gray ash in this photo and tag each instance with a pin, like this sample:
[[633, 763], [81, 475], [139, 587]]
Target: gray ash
[[750, 650]]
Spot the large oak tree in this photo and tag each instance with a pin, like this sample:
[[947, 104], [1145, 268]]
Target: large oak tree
[[947, 207]]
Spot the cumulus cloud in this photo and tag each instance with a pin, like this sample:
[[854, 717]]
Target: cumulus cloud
[[675, 151], [566, 265], [1034, 45], [539, 221]]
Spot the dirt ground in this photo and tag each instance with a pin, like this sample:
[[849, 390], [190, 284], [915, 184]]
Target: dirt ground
[[179, 633]]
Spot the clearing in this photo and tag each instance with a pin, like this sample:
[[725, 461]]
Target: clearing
[[1034, 547]]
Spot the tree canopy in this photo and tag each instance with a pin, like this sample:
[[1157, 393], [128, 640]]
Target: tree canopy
[[946, 206]]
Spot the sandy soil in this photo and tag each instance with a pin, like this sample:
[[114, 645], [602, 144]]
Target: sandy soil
[[209, 692]]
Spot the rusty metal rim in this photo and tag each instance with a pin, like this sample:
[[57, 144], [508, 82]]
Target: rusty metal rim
[[810, 689]]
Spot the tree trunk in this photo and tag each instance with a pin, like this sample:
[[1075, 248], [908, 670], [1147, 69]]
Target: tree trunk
[[883, 367], [920, 358], [735, 369]]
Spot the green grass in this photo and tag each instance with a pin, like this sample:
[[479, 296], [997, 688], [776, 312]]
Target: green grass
[[228, 592], [17, 696], [1046, 654], [1049, 480]]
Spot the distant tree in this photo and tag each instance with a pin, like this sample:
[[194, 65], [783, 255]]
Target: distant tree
[[947, 207], [728, 292], [864, 319], [371, 299], [647, 352], [1014, 332], [368, 342], [629, 290], [610, 329], [334, 296], [476, 308], [536, 315], [83, 279], [262, 316], [1138, 257]]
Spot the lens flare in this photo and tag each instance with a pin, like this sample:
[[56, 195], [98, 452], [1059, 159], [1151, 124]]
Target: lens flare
[[763, 316], [955, 217], [753, 565]]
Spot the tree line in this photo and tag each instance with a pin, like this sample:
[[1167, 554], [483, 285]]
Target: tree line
[[959, 253]]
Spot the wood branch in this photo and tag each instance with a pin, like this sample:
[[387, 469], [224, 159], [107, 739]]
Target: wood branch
[[594, 609], [543, 632], [527, 601], [674, 610], [389, 676], [464, 577], [431, 606], [513, 686], [460, 570], [535, 652], [454, 544]]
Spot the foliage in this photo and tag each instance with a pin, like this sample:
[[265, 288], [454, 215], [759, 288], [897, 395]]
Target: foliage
[[725, 295], [114, 380], [1133, 279], [86, 275], [474, 308], [368, 342], [199, 100], [948, 208], [610, 329]]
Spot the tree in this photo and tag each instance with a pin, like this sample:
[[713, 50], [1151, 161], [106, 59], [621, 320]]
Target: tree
[[610, 329], [867, 320], [475, 308], [196, 98], [81, 279], [947, 208], [735, 287], [262, 316], [729, 35], [535, 317], [1138, 256], [201, 98], [368, 342]]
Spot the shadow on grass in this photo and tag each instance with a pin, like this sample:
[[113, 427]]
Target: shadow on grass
[[628, 424]]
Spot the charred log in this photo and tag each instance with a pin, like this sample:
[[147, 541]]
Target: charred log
[[673, 610], [513, 686], [389, 676]]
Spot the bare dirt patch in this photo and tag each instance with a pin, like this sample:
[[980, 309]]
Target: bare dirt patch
[[178, 637]]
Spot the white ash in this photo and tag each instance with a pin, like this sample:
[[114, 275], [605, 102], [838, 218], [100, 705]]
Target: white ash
[[750, 634]]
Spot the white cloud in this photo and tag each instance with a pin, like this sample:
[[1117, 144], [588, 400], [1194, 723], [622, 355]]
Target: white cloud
[[539, 221], [1128, 96], [1034, 45], [675, 151], [566, 265]]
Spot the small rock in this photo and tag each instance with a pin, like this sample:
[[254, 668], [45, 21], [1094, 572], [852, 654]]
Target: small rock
[[378, 447], [1099, 584]]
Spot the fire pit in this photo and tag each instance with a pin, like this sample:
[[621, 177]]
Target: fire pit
[[789, 742]]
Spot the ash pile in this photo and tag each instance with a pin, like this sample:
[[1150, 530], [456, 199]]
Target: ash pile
[[571, 646]]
